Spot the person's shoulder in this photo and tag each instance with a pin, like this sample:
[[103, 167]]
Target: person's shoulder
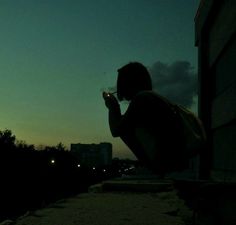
[[144, 94], [146, 99], [148, 95], [154, 99]]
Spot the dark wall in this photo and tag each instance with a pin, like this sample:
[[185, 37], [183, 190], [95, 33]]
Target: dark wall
[[216, 41]]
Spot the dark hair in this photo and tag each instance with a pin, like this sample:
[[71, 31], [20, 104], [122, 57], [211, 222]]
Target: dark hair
[[132, 78]]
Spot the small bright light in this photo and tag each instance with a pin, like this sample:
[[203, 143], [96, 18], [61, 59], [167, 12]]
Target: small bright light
[[79, 165], [94, 168], [104, 170], [53, 161]]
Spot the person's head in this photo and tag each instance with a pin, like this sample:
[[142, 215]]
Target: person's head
[[132, 78]]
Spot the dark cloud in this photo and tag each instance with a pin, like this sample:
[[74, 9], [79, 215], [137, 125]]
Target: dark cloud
[[176, 81]]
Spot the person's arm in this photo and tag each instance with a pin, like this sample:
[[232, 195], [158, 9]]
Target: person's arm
[[115, 116], [120, 124]]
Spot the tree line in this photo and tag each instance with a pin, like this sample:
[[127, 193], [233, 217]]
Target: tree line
[[32, 178]]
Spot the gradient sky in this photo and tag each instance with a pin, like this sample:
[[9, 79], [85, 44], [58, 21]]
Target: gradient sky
[[56, 57]]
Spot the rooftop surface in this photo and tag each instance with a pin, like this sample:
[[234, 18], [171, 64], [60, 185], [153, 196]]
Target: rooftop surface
[[137, 202]]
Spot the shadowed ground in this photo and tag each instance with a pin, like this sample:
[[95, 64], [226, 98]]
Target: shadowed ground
[[114, 208]]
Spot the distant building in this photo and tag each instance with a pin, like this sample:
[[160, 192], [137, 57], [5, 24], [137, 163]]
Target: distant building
[[215, 26], [93, 155]]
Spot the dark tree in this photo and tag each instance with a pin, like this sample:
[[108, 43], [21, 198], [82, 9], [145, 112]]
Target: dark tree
[[7, 139]]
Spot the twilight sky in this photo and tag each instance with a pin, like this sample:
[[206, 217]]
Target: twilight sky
[[56, 57]]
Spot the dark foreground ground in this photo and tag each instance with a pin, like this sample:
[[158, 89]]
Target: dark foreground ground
[[119, 202], [141, 201]]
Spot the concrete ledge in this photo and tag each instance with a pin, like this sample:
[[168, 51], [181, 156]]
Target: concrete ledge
[[132, 186], [113, 208]]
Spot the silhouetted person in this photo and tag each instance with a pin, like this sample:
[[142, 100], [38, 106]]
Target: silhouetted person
[[149, 127]]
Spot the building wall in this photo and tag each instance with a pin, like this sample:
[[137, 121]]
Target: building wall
[[93, 155], [216, 41], [106, 152]]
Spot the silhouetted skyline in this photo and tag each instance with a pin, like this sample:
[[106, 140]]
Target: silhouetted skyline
[[56, 57]]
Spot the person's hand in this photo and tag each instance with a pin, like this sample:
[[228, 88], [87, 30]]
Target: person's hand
[[110, 101]]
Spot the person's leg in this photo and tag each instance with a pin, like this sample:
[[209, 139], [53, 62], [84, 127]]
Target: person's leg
[[144, 148], [159, 145], [134, 145]]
